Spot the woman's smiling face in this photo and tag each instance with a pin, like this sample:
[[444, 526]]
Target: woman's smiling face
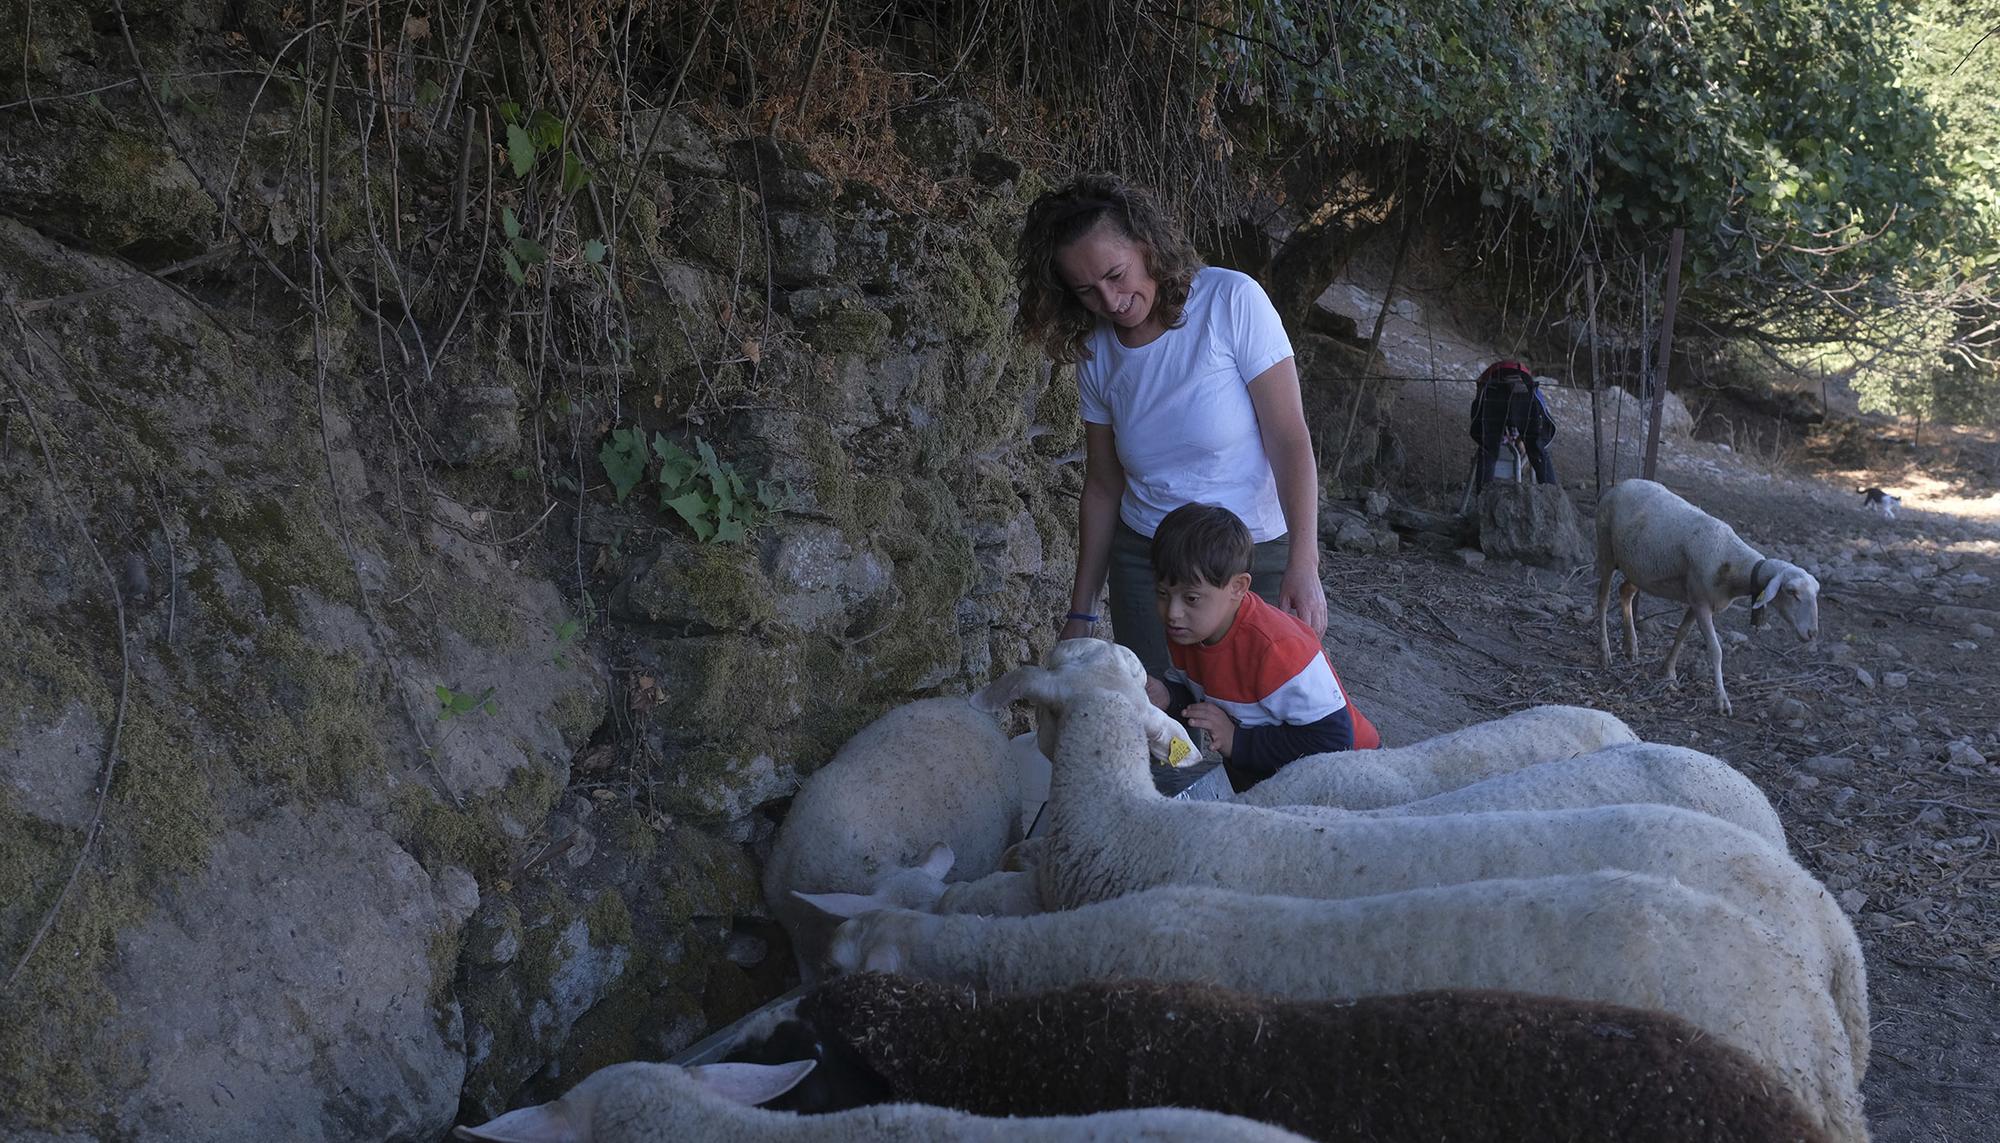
[[1106, 272]]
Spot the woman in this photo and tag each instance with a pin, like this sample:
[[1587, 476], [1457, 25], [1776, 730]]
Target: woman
[[1189, 394]]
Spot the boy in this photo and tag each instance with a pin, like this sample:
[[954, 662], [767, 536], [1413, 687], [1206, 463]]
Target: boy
[[1249, 674]]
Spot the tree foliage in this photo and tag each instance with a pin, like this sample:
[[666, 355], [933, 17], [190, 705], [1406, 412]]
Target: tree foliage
[[1817, 186]]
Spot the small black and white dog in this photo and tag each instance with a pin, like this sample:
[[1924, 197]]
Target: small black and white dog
[[1880, 501]]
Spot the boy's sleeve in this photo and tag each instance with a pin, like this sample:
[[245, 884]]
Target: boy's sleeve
[[1259, 751]]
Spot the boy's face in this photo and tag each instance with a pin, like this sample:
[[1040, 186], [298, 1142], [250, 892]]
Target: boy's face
[[1199, 612]]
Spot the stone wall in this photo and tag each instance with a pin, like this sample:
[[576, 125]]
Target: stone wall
[[336, 888]]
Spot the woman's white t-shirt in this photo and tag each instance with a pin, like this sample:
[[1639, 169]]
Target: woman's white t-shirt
[[1179, 406]]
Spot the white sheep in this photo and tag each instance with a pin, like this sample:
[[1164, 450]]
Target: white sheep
[[716, 1103], [1002, 893], [1368, 779], [1616, 937], [931, 771], [1111, 833], [1667, 547], [1635, 772], [1093, 662]]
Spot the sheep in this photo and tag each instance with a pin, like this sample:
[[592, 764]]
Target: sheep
[[1609, 936], [1462, 1065], [928, 771], [1003, 893], [1111, 833], [716, 1103], [1103, 664], [1365, 780], [1651, 772], [1638, 772], [1667, 547]]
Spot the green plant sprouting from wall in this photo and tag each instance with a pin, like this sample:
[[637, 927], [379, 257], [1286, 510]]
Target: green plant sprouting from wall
[[454, 703], [705, 491]]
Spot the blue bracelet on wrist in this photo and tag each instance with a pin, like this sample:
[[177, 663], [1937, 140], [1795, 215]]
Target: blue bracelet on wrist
[[1078, 615]]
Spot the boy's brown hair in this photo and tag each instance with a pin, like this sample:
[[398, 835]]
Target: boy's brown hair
[[1201, 542]]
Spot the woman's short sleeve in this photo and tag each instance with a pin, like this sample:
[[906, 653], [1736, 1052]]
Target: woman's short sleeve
[[1256, 333], [1092, 402]]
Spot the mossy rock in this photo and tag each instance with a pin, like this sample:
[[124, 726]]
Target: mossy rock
[[725, 688], [487, 833], [696, 587], [720, 223], [122, 192]]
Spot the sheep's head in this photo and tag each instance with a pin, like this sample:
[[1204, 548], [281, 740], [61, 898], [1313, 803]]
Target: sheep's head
[[880, 941], [1794, 595], [652, 1087], [901, 887], [1072, 667]]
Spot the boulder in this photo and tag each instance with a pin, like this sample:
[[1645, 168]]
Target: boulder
[[1532, 523], [303, 961]]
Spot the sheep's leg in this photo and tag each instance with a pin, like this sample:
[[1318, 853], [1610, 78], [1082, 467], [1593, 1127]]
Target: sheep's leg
[[1707, 618], [1628, 594], [1603, 622], [1674, 652]]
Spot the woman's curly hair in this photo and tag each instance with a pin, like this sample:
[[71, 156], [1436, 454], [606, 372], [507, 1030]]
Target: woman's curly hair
[[1050, 312]]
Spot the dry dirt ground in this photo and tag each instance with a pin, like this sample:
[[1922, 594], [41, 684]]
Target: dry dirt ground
[[1872, 743]]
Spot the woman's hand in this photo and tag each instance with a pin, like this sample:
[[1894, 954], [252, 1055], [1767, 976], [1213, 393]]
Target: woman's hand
[[1302, 594], [1074, 629]]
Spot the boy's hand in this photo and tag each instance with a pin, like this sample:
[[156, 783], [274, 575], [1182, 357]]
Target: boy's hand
[[1157, 692], [1209, 717]]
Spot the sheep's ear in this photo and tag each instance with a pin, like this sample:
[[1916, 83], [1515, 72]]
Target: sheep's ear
[[883, 958], [557, 1122], [938, 861], [1010, 688], [841, 905], [751, 1084], [1770, 591], [1168, 740]]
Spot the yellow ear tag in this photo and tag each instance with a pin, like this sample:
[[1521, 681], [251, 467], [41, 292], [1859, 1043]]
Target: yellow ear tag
[[1177, 750]]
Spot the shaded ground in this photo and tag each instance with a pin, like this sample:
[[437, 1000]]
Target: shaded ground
[[1872, 743]]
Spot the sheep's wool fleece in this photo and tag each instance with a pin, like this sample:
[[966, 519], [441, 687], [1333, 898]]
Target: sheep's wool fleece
[[1468, 1066]]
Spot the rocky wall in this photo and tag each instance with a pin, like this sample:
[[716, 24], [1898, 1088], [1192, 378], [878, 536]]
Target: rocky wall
[[439, 774]]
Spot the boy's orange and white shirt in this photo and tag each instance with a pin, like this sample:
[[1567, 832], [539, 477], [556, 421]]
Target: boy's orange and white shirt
[[1266, 671]]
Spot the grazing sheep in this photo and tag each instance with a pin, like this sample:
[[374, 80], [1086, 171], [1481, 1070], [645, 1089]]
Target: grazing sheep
[[1366, 780], [1111, 833], [1636, 772], [1468, 1066], [1612, 937], [928, 771], [716, 1103], [1667, 547]]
